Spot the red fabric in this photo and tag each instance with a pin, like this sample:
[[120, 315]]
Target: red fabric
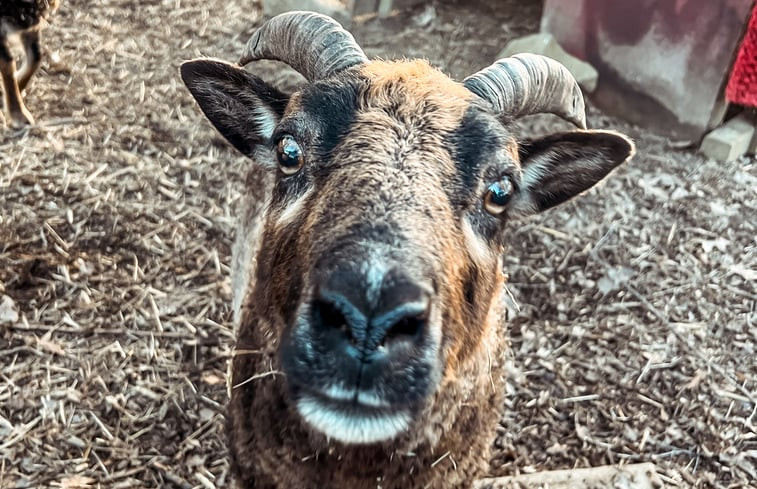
[[742, 87]]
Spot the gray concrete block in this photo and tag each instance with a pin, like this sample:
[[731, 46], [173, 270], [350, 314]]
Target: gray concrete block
[[387, 7], [545, 44], [339, 10], [363, 7], [729, 141]]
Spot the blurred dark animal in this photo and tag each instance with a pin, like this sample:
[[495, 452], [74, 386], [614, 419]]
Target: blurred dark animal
[[367, 270], [22, 18]]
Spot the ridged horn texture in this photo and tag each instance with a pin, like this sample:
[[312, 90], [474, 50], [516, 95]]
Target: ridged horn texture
[[313, 44], [530, 84]]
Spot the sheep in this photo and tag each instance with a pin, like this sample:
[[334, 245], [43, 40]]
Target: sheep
[[24, 19], [367, 266]]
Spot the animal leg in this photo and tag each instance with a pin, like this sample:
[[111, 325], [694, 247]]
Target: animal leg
[[31, 41], [15, 110]]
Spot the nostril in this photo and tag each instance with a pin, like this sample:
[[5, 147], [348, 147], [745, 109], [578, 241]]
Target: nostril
[[331, 311], [406, 327], [327, 315], [338, 321], [406, 322]]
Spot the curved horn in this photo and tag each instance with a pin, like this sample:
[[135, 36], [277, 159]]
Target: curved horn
[[530, 84], [313, 44]]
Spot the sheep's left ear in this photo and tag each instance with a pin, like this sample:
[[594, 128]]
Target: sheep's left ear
[[243, 108], [563, 165]]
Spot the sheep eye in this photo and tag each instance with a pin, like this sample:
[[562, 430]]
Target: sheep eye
[[498, 195], [289, 155]]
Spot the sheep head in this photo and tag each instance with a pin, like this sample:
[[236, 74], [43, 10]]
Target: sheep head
[[380, 264]]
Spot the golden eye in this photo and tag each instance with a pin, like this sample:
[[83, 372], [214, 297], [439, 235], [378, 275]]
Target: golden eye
[[289, 154], [498, 195]]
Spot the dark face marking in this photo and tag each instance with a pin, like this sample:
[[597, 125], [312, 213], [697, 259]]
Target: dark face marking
[[330, 105], [317, 118], [477, 143], [484, 153]]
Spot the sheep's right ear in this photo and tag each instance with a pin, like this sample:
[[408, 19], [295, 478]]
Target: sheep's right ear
[[243, 108]]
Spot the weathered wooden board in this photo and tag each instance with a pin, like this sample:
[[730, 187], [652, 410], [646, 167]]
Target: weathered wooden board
[[636, 476]]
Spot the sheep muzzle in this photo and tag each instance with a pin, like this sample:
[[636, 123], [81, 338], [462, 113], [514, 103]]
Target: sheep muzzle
[[362, 356]]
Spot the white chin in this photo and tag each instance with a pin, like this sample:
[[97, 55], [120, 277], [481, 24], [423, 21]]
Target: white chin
[[352, 427]]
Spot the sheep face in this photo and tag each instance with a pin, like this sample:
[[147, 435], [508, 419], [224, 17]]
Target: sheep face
[[380, 263], [378, 216]]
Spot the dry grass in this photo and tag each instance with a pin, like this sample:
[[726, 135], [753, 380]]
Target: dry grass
[[635, 338]]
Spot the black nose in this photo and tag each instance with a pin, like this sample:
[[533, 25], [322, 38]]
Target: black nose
[[369, 330]]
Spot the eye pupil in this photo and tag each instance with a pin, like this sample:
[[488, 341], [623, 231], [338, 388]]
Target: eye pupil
[[498, 195], [289, 154]]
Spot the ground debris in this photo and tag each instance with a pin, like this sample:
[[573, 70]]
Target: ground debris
[[633, 328]]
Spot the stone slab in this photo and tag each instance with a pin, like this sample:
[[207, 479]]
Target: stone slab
[[729, 141], [341, 11], [386, 7], [545, 44], [363, 7]]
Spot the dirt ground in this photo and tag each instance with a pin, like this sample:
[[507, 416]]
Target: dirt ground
[[633, 338]]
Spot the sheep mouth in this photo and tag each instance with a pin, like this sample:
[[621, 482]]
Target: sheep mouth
[[363, 419], [356, 398]]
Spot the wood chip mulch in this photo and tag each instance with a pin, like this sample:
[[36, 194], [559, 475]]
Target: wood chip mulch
[[633, 323]]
